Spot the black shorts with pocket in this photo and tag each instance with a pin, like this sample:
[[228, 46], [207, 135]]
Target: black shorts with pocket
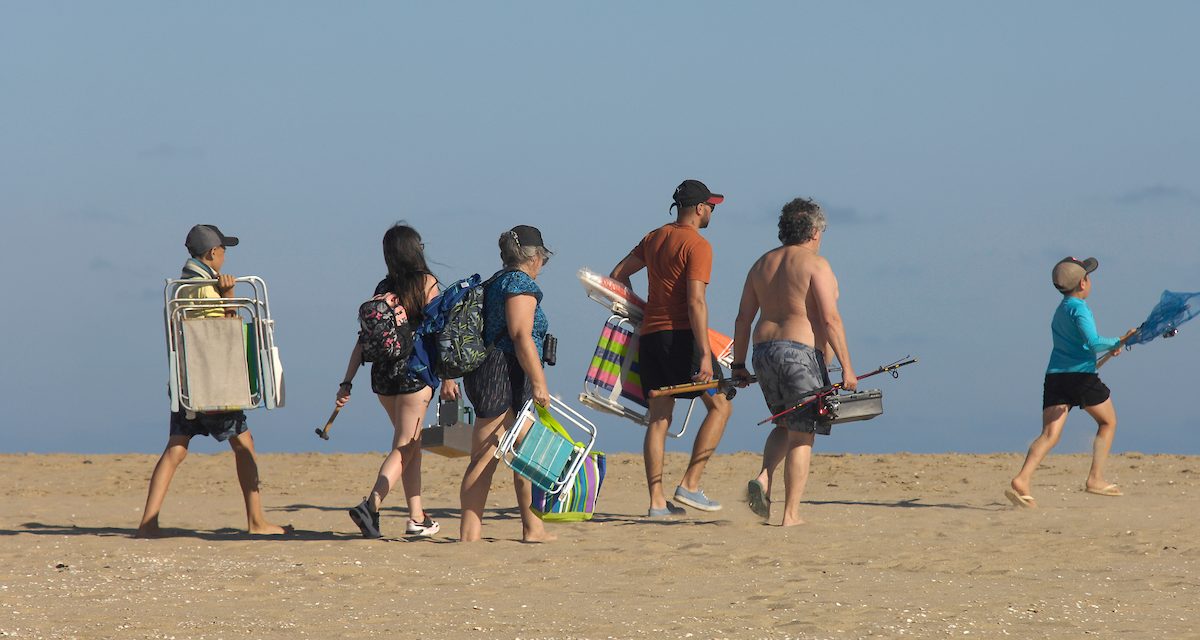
[[667, 358], [1074, 390], [497, 385]]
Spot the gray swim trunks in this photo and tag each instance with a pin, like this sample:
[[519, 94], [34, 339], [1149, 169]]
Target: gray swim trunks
[[787, 371]]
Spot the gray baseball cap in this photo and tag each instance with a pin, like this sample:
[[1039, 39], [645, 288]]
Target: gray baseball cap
[[203, 237], [1069, 272]]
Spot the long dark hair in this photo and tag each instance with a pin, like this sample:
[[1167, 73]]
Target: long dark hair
[[405, 258]]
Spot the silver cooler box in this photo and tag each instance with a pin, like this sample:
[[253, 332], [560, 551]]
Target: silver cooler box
[[852, 407]]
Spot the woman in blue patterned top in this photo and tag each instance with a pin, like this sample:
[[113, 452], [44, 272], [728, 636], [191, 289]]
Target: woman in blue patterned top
[[516, 326]]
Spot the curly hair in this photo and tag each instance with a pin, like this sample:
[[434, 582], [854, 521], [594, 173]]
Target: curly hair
[[800, 220]]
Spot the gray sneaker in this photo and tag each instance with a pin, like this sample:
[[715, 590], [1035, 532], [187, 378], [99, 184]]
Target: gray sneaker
[[666, 512], [696, 499], [367, 520]]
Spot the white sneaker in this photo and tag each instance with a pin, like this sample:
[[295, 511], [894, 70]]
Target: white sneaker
[[422, 529]]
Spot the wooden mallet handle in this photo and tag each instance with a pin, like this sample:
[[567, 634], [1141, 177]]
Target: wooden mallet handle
[[324, 433]]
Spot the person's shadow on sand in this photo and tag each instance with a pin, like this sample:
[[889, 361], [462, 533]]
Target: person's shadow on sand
[[216, 535]]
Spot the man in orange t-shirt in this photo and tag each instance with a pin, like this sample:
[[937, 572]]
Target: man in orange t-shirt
[[673, 347]]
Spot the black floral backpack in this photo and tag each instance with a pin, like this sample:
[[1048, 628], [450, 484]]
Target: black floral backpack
[[384, 332]]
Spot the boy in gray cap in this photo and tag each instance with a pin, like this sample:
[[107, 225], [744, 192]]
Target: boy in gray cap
[[1072, 381], [207, 245]]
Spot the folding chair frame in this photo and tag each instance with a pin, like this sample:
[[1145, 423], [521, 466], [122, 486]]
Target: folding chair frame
[[609, 400], [510, 446], [255, 308]]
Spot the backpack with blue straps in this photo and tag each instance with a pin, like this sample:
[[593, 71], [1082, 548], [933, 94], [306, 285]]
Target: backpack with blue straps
[[449, 341]]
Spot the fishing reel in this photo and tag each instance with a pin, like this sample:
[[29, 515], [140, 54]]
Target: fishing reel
[[827, 408]]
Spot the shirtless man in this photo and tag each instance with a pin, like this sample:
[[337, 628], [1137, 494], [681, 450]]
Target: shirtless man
[[794, 292]]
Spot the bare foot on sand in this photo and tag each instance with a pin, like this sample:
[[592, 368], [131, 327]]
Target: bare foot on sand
[[537, 537], [268, 529], [792, 522], [148, 530]]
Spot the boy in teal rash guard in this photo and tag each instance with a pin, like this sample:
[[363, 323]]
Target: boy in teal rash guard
[[1072, 381]]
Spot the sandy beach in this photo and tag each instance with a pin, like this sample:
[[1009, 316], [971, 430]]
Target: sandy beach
[[895, 545]]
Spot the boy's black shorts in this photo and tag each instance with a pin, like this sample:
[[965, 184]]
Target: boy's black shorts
[[1074, 390], [222, 426], [668, 358]]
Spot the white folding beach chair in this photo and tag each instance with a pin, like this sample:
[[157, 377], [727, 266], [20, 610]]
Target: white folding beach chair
[[543, 451], [219, 363]]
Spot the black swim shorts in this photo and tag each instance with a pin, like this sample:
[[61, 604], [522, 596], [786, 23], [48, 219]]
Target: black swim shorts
[[497, 385], [1074, 390], [667, 358], [221, 426]]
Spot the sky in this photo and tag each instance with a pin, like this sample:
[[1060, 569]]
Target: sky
[[960, 150]]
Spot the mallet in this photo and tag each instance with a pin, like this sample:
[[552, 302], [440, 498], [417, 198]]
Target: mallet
[[324, 433]]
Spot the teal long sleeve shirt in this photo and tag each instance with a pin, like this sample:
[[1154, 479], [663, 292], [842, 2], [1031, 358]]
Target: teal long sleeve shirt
[[1076, 343]]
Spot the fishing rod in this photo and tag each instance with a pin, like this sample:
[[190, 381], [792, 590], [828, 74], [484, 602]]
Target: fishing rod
[[1125, 338], [818, 394], [723, 385]]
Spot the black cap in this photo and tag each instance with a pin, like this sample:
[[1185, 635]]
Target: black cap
[[693, 192], [527, 236], [203, 237]]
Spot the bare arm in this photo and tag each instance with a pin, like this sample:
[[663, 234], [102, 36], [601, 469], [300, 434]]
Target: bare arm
[[630, 265], [343, 394], [698, 317], [824, 287], [747, 310], [518, 311]]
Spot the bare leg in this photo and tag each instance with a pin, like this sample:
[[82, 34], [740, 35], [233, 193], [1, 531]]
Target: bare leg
[[406, 412], [532, 529], [707, 438], [410, 478], [1106, 427], [1053, 419], [774, 450], [174, 453], [477, 480], [795, 474], [654, 448], [247, 472]]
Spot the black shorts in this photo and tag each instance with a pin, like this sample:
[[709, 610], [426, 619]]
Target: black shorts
[[221, 426], [667, 358], [1074, 390], [391, 378], [499, 384]]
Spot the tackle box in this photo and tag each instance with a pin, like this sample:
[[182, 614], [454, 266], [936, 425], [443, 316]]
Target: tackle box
[[852, 407]]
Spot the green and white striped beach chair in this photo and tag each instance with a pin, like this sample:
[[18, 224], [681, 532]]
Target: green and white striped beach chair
[[546, 457]]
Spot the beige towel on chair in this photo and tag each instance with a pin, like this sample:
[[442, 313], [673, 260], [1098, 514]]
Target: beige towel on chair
[[218, 376]]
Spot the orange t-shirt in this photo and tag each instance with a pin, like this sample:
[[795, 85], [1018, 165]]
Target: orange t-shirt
[[673, 255]]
